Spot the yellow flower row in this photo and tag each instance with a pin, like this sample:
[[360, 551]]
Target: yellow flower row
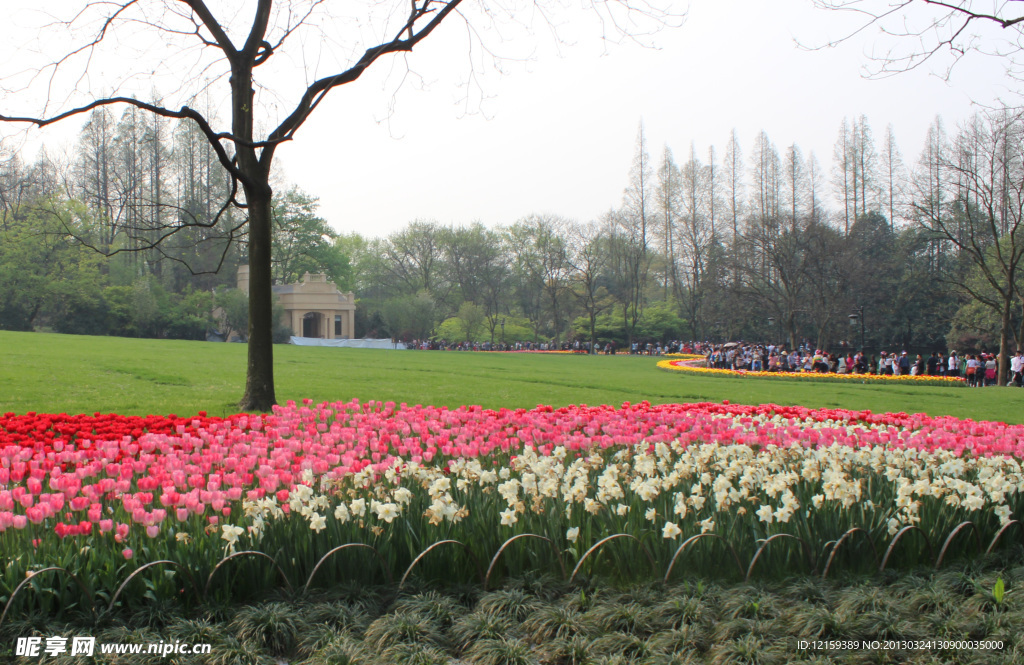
[[678, 366]]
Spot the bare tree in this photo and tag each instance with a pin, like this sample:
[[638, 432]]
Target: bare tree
[[841, 168], [630, 236], [984, 221], [695, 239], [415, 258], [667, 206], [587, 257], [734, 183], [893, 175], [234, 49], [921, 31], [795, 173]]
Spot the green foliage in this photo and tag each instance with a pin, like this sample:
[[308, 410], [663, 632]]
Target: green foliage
[[975, 327], [471, 320], [660, 324], [304, 242], [233, 316], [449, 329], [410, 317], [234, 306], [44, 273], [609, 327]]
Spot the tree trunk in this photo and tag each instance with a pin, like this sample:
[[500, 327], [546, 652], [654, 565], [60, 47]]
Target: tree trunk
[[259, 382], [791, 329], [1004, 344]]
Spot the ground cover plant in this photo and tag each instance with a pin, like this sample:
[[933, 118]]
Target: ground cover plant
[[82, 374], [542, 620]]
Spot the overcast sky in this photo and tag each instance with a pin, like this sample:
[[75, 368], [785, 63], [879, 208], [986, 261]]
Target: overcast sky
[[555, 133]]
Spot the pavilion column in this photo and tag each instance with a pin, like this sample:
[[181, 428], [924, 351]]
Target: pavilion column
[[350, 327]]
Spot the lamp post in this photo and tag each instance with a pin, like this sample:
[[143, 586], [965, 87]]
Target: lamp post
[[503, 333], [858, 315], [771, 322]]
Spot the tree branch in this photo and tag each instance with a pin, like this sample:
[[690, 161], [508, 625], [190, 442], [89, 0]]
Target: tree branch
[[316, 92]]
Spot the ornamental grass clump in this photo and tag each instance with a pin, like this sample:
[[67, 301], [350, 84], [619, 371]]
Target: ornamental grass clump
[[501, 651], [273, 627]]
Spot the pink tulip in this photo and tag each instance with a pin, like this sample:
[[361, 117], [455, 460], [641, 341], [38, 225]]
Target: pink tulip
[[127, 552]]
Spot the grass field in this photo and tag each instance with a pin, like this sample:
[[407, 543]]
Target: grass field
[[80, 374]]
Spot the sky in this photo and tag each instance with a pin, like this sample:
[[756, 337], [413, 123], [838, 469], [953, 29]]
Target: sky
[[554, 132], [557, 135]]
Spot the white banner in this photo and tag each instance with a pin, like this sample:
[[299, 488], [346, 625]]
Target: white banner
[[348, 343]]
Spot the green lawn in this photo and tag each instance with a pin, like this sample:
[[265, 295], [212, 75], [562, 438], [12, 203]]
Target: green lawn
[[79, 374]]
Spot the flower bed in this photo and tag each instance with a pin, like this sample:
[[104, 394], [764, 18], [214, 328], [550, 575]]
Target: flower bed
[[308, 478], [689, 367]]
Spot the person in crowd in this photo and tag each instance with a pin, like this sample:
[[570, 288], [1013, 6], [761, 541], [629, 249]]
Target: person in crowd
[[918, 368], [991, 368], [972, 370], [904, 363], [953, 365]]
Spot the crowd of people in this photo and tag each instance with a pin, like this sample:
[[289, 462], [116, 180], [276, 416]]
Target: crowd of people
[[445, 345], [576, 346], [978, 369]]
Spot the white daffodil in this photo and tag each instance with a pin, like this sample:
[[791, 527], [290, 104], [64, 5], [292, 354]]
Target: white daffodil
[[671, 530], [317, 522], [508, 517], [572, 534], [387, 512], [230, 533]]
